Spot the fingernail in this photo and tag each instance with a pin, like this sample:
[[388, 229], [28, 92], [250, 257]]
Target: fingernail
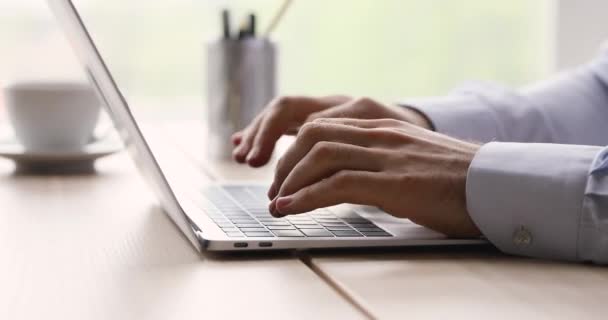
[[283, 203], [272, 208], [241, 151], [253, 154], [272, 191], [236, 155]]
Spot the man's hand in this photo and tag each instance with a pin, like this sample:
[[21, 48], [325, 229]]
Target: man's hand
[[285, 115], [401, 168]]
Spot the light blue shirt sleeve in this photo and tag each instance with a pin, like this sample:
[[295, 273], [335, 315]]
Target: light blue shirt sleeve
[[539, 184]]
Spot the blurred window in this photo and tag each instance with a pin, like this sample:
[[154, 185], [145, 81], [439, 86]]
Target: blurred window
[[387, 49]]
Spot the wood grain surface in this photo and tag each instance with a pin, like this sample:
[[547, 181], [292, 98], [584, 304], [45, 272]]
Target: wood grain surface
[[98, 247], [466, 283]]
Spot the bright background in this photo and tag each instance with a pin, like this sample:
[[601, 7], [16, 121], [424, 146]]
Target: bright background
[[387, 49]]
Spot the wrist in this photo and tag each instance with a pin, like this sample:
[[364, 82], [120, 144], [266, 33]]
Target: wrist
[[469, 227], [417, 117]]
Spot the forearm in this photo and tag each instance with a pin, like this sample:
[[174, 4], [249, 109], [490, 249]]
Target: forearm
[[571, 108]]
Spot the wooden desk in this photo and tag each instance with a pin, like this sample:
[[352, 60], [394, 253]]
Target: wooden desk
[[466, 283], [98, 247]]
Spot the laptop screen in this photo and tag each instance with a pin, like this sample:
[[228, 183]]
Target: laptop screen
[[105, 50]]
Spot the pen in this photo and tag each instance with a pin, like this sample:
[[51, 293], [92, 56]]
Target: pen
[[247, 28], [244, 30], [252, 23], [226, 23]]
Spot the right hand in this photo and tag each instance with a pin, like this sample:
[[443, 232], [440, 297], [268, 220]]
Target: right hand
[[254, 144]]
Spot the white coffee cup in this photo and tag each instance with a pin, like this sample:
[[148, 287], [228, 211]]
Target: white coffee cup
[[52, 116]]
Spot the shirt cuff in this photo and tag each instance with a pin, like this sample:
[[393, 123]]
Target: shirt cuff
[[527, 199], [464, 116]]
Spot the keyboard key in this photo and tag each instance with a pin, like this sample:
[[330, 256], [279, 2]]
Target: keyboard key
[[363, 225], [237, 217], [346, 233], [355, 220], [248, 225], [252, 229], [228, 229], [242, 220], [332, 224], [259, 212], [299, 217], [238, 222], [234, 234], [224, 224], [271, 219], [304, 222], [230, 208], [287, 233], [339, 228], [236, 214], [262, 216], [369, 229], [257, 206], [308, 226], [281, 227], [328, 220], [259, 234], [276, 223], [301, 221], [376, 234], [316, 233]]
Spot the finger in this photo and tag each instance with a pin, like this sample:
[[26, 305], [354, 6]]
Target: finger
[[285, 113], [309, 135], [275, 124], [389, 131], [364, 123], [241, 151], [327, 158], [349, 109], [237, 138], [361, 108], [355, 187]]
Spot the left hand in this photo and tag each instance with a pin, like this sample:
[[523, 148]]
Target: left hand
[[405, 170]]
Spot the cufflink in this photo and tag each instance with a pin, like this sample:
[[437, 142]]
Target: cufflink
[[522, 237]]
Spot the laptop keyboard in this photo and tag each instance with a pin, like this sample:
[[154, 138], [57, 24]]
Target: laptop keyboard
[[242, 211]]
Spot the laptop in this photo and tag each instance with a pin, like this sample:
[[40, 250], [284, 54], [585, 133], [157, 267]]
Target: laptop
[[234, 216]]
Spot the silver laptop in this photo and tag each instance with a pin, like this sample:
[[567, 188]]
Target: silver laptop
[[227, 217]]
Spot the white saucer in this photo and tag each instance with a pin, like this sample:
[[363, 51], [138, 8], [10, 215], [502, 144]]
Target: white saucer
[[10, 148]]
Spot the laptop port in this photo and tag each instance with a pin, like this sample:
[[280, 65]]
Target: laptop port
[[241, 245], [265, 244]]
